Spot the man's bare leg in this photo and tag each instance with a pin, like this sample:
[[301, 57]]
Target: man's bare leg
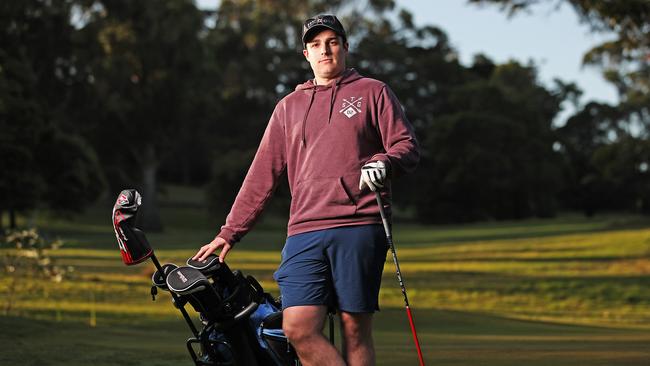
[[303, 325], [358, 347]]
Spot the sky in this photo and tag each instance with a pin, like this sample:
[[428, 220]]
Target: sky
[[554, 39]]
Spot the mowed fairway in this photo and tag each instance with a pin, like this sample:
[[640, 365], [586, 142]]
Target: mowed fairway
[[566, 291]]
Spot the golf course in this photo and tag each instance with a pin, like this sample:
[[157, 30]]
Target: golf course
[[564, 291], [509, 138]]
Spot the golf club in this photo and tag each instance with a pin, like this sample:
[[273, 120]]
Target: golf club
[[178, 303], [389, 238], [134, 246]]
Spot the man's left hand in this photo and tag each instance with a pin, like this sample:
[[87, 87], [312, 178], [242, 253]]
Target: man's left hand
[[208, 249], [373, 175]]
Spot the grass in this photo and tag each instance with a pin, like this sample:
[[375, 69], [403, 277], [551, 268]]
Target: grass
[[565, 291]]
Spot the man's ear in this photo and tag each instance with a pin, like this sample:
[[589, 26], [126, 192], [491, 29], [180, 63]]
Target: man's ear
[[346, 46], [305, 53]]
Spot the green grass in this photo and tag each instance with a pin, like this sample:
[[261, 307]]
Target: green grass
[[448, 338], [565, 291]]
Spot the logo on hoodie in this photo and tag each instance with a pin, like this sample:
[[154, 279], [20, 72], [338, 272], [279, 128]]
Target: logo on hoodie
[[351, 107]]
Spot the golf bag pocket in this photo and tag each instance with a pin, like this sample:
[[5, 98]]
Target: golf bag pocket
[[267, 321], [221, 349], [279, 347]]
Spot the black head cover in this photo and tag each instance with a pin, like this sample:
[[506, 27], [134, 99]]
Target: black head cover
[[219, 272], [159, 279], [134, 246]]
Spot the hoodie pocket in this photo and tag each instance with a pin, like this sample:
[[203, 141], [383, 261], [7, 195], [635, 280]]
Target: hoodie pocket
[[322, 198]]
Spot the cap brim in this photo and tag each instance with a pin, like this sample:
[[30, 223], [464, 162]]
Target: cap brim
[[315, 29]]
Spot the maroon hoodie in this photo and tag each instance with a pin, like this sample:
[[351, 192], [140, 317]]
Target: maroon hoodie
[[322, 136]]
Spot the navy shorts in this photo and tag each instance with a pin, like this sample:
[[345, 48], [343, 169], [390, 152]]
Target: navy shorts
[[338, 267]]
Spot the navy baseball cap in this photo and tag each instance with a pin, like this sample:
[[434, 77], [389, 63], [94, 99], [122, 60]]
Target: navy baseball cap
[[311, 26]]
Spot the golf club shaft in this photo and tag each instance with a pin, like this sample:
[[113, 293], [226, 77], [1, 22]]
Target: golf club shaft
[[389, 238], [176, 299], [331, 321]]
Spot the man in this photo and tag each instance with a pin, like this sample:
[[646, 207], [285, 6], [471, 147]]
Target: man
[[339, 137]]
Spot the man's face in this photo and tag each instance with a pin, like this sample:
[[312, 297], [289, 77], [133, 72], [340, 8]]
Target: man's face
[[326, 54]]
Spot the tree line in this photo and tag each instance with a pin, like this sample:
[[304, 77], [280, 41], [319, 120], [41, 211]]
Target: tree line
[[99, 95]]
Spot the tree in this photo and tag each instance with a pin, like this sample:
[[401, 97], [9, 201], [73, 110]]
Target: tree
[[624, 59], [37, 67], [597, 135], [584, 133], [71, 170], [492, 154], [20, 122], [623, 168], [146, 61]]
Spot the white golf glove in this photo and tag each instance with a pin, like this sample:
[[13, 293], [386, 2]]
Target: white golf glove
[[373, 175]]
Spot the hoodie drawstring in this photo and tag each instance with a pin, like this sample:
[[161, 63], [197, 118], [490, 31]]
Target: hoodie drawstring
[[333, 97], [304, 120], [335, 88]]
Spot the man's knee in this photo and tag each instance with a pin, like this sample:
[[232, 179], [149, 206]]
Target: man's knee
[[295, 332], [357, 327], [301, 323]]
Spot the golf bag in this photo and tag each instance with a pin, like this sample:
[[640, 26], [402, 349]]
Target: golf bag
[[241, 324]]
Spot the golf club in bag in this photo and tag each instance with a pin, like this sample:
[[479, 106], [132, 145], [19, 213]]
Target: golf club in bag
[[389, 238], [241, 324]]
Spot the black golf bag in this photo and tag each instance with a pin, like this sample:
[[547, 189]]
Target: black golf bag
[[241, 324]]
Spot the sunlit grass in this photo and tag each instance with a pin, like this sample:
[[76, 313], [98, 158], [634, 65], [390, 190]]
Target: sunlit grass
[[569, 269], [508, 291], [597, 277]]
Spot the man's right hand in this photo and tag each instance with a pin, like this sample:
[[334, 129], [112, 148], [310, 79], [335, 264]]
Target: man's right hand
[[208, 249], [373, 176]]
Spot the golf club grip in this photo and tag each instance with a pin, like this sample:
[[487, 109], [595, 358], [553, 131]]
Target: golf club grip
[[415, 335], [389, 239], [384, 219]]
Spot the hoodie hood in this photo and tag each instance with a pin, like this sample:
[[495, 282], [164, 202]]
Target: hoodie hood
[[348, 76]]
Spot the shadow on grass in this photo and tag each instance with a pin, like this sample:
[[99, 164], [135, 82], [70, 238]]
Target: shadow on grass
[[460, 338], [447, 338]]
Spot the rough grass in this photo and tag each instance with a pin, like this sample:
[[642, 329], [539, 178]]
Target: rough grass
[[566, 291]]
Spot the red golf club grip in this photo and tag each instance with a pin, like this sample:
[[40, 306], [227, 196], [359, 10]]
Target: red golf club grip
[[415, 336]]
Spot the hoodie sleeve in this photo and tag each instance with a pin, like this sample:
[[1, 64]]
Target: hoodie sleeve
[[260, 182], [397, 135]]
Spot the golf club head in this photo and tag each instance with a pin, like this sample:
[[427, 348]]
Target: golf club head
[[132, 242], [190, 284], [158, 279], [212, 268], [232, 285]]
